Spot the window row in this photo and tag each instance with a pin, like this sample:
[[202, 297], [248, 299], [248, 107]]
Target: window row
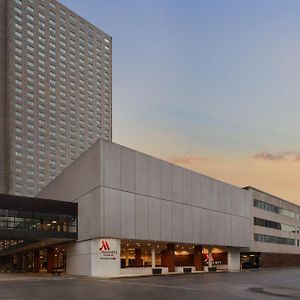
[[273, 239], [273, 208], [275, 225]]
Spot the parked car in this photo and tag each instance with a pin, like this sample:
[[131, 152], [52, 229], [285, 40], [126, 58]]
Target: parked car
[[249, 265]]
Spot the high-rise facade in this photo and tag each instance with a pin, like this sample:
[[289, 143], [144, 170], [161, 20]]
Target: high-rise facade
[[55, 91]]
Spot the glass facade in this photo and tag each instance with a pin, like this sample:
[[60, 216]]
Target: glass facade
[[13, 219]]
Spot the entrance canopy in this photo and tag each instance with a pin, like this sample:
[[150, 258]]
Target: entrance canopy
[[26, 222]]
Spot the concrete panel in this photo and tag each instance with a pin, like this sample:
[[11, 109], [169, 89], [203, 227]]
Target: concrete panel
[[177, 222], [177, 190], [127, 170], [187, 186], [217, 228], [141, 217], [154, 218], [78, 258], [166, 180], [205, 226], [84, 217], [195, 189], [247, 203], [247, 232], [166, 220], [142, 174], [224, 197], [112, 214], [196, 217], [237, 201], [78, 179], [228, 232], [235, 230], [154, 177], [204, 191], [127, 215], [213, 195], [95, 212], [112, 165], [187, 231], [215, 234]]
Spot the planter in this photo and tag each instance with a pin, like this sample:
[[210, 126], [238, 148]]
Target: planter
[[187, 270], [156, 271]]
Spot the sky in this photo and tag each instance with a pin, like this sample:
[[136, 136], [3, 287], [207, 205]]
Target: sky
[[213, 86]]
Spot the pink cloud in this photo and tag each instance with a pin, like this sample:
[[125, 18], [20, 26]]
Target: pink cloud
[[269, 156], [186, 160], [280, 156]]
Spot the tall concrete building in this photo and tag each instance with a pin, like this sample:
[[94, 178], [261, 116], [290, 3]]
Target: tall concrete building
[[55, 91]]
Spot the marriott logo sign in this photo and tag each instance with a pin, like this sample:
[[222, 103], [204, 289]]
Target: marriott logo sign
[[104, 246]]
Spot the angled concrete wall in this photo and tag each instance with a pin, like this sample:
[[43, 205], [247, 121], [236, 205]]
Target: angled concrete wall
[[123, 193]]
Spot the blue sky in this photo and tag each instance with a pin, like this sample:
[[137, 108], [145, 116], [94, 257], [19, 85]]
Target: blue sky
[[211, 85]]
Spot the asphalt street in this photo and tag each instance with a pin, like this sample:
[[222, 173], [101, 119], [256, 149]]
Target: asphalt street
[[258, 284]]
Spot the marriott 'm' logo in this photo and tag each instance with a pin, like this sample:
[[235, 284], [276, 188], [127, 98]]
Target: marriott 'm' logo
[[104, 245]]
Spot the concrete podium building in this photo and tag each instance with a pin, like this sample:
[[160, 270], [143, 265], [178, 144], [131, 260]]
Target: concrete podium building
[[148, 212]]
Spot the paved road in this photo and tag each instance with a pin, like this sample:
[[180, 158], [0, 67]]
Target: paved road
[[261, 284]]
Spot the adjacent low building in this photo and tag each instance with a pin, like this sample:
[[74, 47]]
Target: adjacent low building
[[275, 231]]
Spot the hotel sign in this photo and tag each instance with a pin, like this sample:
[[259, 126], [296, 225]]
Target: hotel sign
[[108, 250]]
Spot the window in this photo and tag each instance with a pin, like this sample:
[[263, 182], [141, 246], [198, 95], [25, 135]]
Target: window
[[273, 239]]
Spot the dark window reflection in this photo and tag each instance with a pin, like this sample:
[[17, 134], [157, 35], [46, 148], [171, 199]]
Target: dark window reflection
[[12, 219]]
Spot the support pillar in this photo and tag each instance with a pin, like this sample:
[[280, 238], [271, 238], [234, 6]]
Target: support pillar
[[170, 258], [127, 258], [153, 257], [234, 260], [50, 260], [210, 257], [36, 261], [97, 257], [198, 258], [138, 258]]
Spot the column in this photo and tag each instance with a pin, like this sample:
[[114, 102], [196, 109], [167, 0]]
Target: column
[[234, 260], [126, 258], [36, 260], [153, 257], [138, 258], [50, 260], [170, 259], [210, 257], [97, 257], [198, 257]]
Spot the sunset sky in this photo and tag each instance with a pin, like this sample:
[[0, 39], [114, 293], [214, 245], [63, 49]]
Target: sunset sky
[[213, 86]]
